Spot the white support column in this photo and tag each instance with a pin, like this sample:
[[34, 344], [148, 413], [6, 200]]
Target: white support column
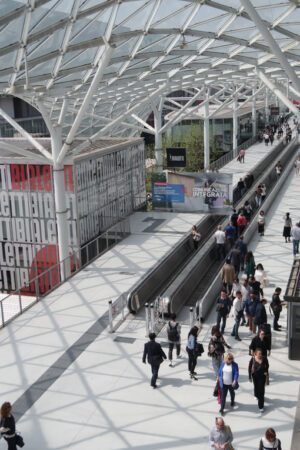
[[254, 131], [267, 106], [60, 202], [279, 94], [206, 132], [235, 127], [283, 61], [158, 140]]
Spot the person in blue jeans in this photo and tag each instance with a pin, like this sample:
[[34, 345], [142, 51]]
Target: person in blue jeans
[[228, 379], [222, 308]]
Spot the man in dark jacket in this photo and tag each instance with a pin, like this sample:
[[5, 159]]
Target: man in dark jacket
[[223, 309], [276, 306], [254, 285], [260, 313], [243, 249], [261, 342], [155, 357], [235, 258]]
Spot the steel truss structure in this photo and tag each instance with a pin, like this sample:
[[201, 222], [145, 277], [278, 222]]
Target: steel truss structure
[[99, 67]]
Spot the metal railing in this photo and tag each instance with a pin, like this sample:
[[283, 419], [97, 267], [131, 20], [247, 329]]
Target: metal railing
[[50, 278], [229, 156], [117, 311], [34, 126], [155, 319]]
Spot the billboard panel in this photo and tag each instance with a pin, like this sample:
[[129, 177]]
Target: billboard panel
[[192, 192], [176, 157], [28, 237]]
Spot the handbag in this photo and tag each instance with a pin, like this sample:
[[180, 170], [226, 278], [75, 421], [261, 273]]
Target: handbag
[[199, 349], [19, 440], [267, 380], [266, 282]]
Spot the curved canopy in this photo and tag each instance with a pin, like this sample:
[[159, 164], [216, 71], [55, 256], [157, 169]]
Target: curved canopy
[[112, 60]]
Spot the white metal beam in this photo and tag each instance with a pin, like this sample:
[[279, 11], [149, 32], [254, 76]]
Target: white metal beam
[[283, 60], [22, 152], [146, 125], [279, 94], [106, 55], [227, 102]]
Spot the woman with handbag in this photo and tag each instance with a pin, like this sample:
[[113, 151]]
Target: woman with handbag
[[8, 426], [258, 372], [191, 351], [228, 379]]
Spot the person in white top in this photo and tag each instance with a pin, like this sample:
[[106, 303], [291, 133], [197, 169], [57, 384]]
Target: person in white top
[[220, 239], [237, 313], [260, 274], [295, 232]]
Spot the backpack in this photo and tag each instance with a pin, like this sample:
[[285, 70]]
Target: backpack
[[173, 334], [219, 348]]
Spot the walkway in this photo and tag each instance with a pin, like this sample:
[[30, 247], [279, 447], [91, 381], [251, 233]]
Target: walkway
[[98, 395]]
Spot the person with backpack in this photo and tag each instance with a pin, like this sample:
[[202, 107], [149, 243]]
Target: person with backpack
[[270, 441], [156, 355], [216, 348], [173, 333]]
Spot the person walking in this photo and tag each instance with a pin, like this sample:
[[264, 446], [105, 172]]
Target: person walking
[[260, 275], [287, 227], [260, 317], [266, 138], [173, 333], [8, 426], [258, 370], [245, 290], [236, 258], [261, 342], [261, 223], [242, 155], [243, 249], [251, 310], [190, 348], [241, 223], [230, 231], [295, 232], [155, 355], [227, 275], [249, 264], [228, 378], [216, 348], [222, 308], [276, 306], [220, 238], [220, 436], [237, 314], [270, 441]]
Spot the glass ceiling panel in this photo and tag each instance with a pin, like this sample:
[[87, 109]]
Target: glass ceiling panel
[[129, 76]]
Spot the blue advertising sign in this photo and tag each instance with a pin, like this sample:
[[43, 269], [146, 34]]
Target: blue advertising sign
[[165, 193]]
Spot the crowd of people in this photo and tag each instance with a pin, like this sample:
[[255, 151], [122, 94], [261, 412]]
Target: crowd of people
[[275, 130]]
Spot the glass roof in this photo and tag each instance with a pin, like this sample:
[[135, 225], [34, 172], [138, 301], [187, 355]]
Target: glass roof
[[50, 51]]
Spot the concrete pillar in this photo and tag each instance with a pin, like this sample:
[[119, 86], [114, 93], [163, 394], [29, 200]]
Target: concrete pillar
[[206, 133], [254, 130], [235, 127], [60, 203]]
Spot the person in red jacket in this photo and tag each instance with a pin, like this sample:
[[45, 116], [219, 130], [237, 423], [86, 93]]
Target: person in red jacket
[[241, 223]]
